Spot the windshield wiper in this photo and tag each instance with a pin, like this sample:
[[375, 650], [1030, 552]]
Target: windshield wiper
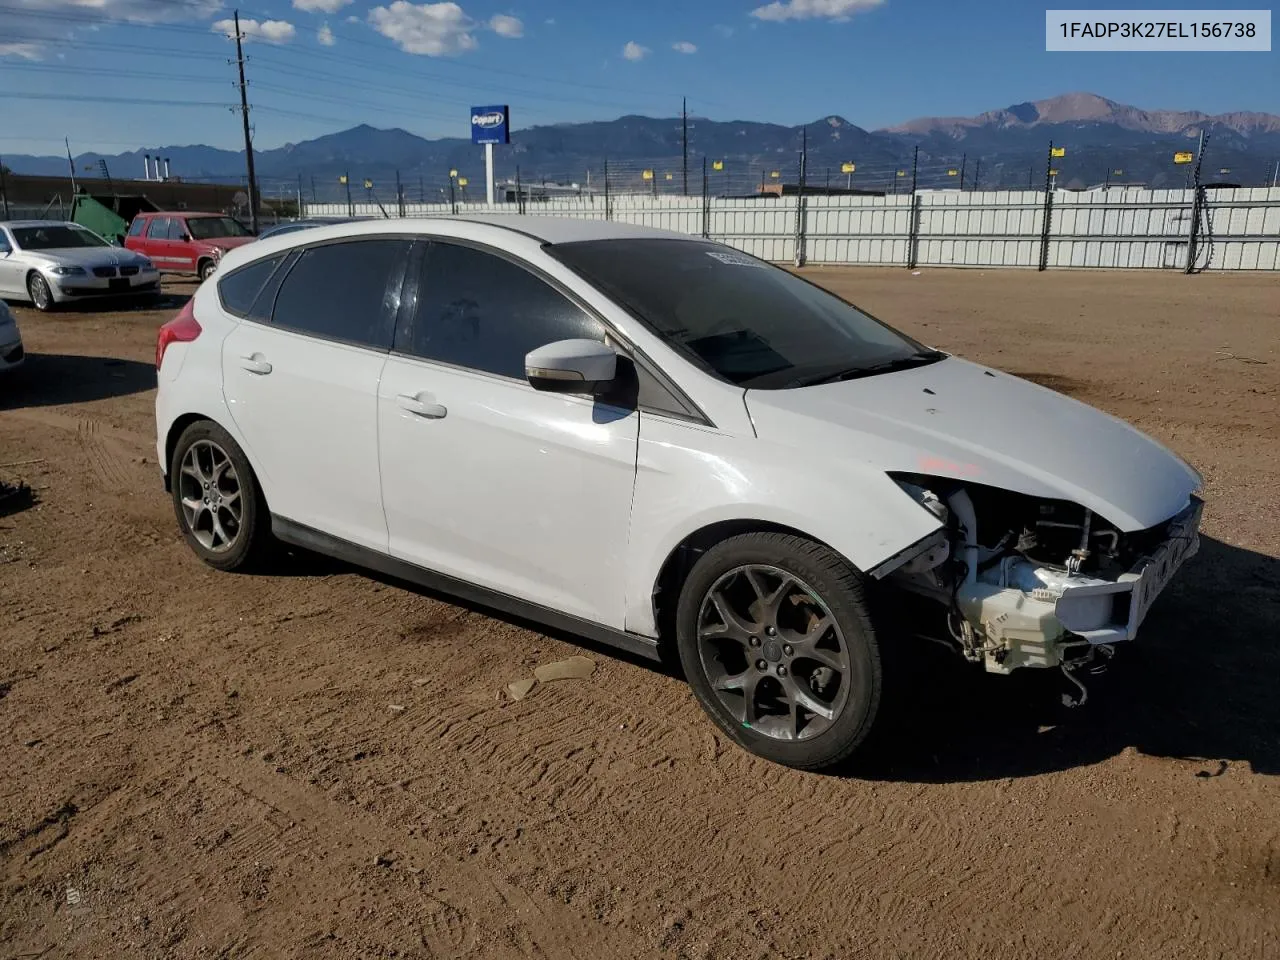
[[920, 358]]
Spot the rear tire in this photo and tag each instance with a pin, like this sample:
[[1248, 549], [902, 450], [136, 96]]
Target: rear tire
[[216, 498], [777, 642], [205, 270], [40, 294]]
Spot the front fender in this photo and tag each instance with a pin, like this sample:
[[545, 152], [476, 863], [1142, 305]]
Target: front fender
[[689, 477]]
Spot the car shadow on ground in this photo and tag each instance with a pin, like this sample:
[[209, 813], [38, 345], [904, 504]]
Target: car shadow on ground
[[49, 379], [1198, 684], [296, 562]]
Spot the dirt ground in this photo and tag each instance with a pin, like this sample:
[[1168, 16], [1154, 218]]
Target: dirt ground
[[206, 765]]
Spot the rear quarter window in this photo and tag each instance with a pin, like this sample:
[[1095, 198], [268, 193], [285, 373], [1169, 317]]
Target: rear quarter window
[[240, 288]]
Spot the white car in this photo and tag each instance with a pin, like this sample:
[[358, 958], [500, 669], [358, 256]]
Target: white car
[[49, 262], [11, 352], [658, 442]]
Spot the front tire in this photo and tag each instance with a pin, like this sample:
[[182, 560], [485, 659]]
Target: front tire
[[216, 498], [205, 270], [777, 642], [39, 292]]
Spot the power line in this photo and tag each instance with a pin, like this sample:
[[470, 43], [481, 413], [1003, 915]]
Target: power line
[[133, 101]]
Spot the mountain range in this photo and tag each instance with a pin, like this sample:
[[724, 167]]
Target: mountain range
[[1101, 137]]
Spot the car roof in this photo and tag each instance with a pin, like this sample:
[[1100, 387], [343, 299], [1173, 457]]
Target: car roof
[[555, 230], [532, 230], [37, 223], [178, 213]]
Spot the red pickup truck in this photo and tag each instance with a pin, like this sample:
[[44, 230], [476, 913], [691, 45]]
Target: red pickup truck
[[184, 242]]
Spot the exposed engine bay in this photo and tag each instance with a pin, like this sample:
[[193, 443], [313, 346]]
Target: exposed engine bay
[[1029, 582]]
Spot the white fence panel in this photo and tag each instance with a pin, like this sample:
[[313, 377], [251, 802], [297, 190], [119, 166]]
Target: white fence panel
[[1121, 227]]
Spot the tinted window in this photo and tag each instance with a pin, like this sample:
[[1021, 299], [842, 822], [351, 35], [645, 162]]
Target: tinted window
[[740, 318], [479, 311], [136, 228], [240, 288], [340, 291], [210, 228], [159, 228], [56, 236]]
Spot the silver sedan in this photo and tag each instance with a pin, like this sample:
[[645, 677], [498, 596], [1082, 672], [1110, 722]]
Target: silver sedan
[[49, 262]]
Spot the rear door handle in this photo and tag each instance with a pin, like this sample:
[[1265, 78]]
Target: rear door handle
[[255, 363], [421, 404]]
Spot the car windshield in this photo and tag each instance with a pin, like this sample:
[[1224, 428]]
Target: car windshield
[[740, 318], [211, 228], [56, 236]]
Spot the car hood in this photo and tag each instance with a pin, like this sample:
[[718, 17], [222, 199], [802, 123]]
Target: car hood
[[87, 257], [967, 422], [227, 243]]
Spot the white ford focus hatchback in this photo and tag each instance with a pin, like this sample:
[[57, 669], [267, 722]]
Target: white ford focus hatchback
[[658, 442]]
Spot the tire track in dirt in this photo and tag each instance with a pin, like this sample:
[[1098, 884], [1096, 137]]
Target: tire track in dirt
[[302, 837], [101, 446]]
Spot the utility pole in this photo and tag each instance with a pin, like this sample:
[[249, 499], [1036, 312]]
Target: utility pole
[[313, 188], [1197, 207], [248, 142], [72, 164], [1047, 218], [914, 223], [977, 174], [684, 139], [4, 190], [964, 159]]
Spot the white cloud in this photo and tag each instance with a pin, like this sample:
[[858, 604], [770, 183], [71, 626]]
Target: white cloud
[[813, 9], [40, 31], [724, 31], [27, 51], [551, 21], [320, 6], [633, 51], [431, 29], [268, 31], [506, 26], [353, 19], [325, 36], [684, 46]]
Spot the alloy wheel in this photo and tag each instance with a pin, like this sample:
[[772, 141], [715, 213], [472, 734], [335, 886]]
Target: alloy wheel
[[773, 653], [210, 494], [39, 290]]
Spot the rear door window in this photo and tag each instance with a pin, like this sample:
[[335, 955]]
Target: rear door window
[[177, 229], [159, 228], [346, 291]]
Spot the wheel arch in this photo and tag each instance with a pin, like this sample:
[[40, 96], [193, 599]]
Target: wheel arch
[[679, 562], [180, 424]]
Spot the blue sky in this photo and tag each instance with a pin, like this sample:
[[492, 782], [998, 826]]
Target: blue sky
[[321, 65]]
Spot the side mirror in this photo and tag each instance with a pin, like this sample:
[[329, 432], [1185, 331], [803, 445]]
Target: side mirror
[[186, 238], [571, 366]]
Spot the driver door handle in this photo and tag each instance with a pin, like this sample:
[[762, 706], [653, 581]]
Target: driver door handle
[[255, 363], [421, 404]]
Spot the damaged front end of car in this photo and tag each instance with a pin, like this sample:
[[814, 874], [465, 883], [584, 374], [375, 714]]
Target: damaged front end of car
[[1023, 581]]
